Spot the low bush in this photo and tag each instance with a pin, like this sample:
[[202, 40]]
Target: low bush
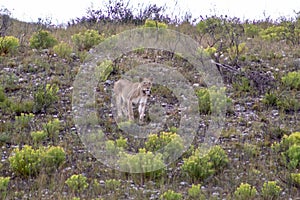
[[199, 166], [295, 177], [44, 97], [271, 190], [86, 40], [112, 184], [77, 183], [29, 161], [289, 147], [145, 162], [42, 40], [292, 80], [195, 192], [8, 45], [170, 143], [38, 136], [63, 50], [52, 129], [4, 181], [171, 195], [213, 100], [104, 69], [155, 24], [245, 192]]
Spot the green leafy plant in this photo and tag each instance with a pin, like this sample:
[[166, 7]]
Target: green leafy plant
[[289, 147], [154, 24], [27, 161], [112, 184], [195, 192], [23, 121], [212, 100], [38, 136], [171, 143], [45, 96], [251, 30], [104, 69], [270, 99], [292, 80], [42, 40], [202, 166], [273, 33], [77, 183], [235, 52], [245, 192], [53, 157], [86, 40], [146, 162], [52, 128], [8, 45], [242, 84], [4, 181], [171, 195], [271, 190], [63, 50], [295, 177]]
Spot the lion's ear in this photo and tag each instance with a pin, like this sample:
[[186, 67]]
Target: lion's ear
[[140, 79], [151, 79]]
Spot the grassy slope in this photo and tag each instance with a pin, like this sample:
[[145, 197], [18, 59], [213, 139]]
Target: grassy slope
[[247, 136]]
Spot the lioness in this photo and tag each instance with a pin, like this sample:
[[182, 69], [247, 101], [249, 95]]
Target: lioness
[[128, 93]]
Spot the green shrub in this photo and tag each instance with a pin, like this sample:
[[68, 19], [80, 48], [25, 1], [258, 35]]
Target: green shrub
[[44, 97], [195, 192], [212, 100], [295, 177], [104, 69], [271, 190], [2, 95], [199, 166], [29, 161], [289, 102], [171, 143], [171, 195], [274, 33], [153, 24], [38, 136], [52, 128], [42, 40], [3, 186], [86, 40], [146, 162], [270, 99], [245, 192], [63, 50], [292, 80], [77, 183], [8, 44], [23, 121], [292, 156], [53, 157], [289, 147], [242, 84], [112, 184], [251, 30], [26, 162], [235, 52]]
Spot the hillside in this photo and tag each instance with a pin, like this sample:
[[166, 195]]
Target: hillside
[[256, 152]]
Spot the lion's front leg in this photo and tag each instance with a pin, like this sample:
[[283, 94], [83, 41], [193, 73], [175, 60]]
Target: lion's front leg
[[142, 107], [130, 111]]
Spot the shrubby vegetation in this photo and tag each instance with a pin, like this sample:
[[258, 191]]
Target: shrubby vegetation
[[8, 44], [42, 40], [30, 162]]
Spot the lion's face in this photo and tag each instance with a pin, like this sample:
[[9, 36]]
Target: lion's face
[[146, 85]]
